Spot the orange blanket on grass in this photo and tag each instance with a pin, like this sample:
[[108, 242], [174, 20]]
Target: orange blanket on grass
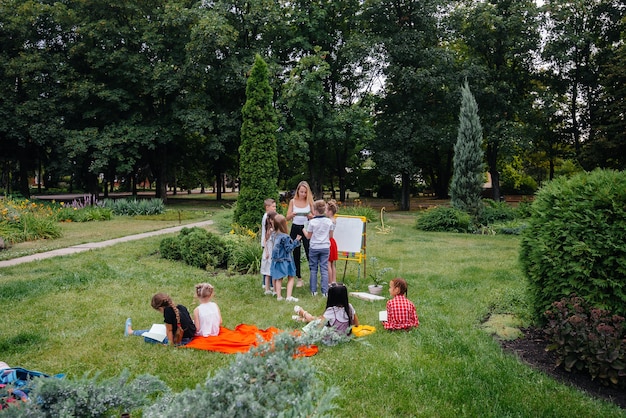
[[241, 340]]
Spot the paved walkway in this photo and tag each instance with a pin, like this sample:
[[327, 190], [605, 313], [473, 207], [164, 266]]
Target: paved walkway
[[94, 245]]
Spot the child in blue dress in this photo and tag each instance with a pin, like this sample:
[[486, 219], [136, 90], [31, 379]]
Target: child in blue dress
[[282, 258]]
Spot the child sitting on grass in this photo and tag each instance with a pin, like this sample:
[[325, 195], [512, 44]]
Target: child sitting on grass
[[206, 316], [401, 312], [339, 313], [179, 326]]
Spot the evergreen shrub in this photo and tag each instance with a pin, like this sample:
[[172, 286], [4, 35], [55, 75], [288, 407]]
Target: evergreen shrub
[[268, 381], [87, 397], [576, 242], [170, 248], [203, 249], [444, 219], [196, 247], [495, 212]]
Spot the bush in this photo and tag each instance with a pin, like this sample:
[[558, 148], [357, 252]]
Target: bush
[[244, 254], [196, 247], [268, 381], [87, 397], [495, 212], [86, 214], [444, 219], [133, 207], [576, 242], [170, 248], [265, 382], [24, 220], [202, 249], [586, 338]]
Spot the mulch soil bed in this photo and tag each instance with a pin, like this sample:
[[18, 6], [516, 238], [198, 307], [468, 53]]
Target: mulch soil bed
[[530, 349]]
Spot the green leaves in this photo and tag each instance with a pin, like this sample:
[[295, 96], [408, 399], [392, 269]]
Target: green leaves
[[576, 241]]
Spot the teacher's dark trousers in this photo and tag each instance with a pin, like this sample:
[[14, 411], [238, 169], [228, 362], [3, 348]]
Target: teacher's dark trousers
[[295, 231]]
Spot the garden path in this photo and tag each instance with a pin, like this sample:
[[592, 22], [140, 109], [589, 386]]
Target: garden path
[[94, 245]]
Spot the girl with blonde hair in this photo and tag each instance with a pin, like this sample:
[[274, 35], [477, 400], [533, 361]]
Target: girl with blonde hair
[[299, 212], [207, 315]]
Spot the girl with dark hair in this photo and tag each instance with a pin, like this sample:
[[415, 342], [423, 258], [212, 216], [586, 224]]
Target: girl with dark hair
[[179, 326], [339, 313]]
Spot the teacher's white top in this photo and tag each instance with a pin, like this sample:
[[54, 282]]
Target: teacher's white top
[[300, 214]]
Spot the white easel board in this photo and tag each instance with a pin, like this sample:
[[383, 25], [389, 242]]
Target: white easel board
[[350, 236]]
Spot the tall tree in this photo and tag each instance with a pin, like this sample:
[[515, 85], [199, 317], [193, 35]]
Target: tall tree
[[415, 124], [258, 156], [330, 31], [33, 42], [310, 114], [469, 174], [499, 40], [606, 145], [579, 39]]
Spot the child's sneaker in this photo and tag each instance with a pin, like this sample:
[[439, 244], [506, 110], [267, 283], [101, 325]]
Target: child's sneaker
[[270, 292], [297, 318], [297, 309], [313, 293], [292, 299], [279, 298]]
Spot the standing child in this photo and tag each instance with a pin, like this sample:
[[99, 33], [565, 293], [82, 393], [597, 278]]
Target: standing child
[[270, 206], [333, 255], [319, 231], [401, 312], [179, 327], [282, 258], [339, 313], [207, 315], [266, 257]]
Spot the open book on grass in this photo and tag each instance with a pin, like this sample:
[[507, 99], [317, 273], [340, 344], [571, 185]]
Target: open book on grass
[[157, 332], [382, 316]]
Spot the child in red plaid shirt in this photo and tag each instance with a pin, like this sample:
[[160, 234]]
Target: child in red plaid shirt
[[401, 312]]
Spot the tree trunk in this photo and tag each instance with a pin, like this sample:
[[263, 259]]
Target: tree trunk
[[405, 203], [219, 179], [23, 180], [133, 185], [161, 186]]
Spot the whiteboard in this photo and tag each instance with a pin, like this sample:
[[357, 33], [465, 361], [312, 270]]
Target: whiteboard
[[349, 233]]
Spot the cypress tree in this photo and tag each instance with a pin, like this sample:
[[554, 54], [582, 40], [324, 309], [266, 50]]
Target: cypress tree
[[258, 156], [468, 171]]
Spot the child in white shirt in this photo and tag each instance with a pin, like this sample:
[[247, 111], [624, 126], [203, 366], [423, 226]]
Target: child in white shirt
[[206, 316], [319, 231]]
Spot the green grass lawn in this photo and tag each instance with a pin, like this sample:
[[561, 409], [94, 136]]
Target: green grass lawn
[[66, 315], [75, 233]]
